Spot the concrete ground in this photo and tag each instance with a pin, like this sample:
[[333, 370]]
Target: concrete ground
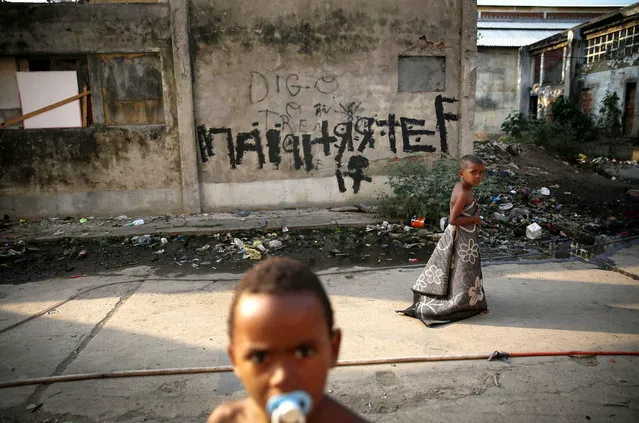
[[136, 319], [54, 229]]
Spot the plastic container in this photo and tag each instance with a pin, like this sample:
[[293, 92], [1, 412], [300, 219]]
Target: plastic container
[[145, 240], [533, 231], [417, 222]]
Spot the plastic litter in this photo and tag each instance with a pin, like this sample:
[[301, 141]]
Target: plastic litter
[[136, 222], [164, 241], [251, 253], [544, 191], [238, 243], [417, 222], [83, 253], [259, 245], [160, 251], [84, 220], [204, 247], [144, 240], [284, 229], [506, 206], [533, 231], [275, 244], [413, 260]]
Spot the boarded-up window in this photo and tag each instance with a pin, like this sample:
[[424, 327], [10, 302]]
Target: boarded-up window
[[553, 66], [421, 73], [132, 89]]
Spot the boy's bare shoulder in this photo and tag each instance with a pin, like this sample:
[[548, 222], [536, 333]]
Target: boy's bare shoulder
[[340, 413], [230, 412]]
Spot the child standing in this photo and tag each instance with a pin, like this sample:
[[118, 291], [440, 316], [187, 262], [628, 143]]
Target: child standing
[[450, 287], [282, 346]]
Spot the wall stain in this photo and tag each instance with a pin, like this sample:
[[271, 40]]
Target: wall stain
[[80, 158], [337, 32]]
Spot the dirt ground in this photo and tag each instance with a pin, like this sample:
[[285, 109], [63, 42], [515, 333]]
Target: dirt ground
[[585, 207]]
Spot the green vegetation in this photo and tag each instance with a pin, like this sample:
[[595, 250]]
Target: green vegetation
[[610, 116], [420, 189], [564, 134]]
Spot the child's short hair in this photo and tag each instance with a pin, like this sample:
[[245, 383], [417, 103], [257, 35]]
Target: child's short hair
[[470, 158], [280, 275]]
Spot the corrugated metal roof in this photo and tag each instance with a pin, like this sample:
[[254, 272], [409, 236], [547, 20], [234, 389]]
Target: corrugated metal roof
[[557, 3], [511, 37], [528, 25]]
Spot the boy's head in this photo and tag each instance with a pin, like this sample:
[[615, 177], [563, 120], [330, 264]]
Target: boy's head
[[470, 159], [281, 331], [471, 169]]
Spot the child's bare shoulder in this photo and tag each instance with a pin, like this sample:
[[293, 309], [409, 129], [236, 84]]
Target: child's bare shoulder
[[229, 412], [340, 413]]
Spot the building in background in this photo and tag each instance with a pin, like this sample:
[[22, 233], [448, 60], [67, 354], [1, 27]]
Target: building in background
[[586, 63], [187, 106], [503, 27]]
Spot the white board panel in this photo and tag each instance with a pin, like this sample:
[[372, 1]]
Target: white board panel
[[41, 89]]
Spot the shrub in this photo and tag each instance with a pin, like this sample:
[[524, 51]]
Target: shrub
[[423, 190], [610, 115], [515, 124], [566, 113]]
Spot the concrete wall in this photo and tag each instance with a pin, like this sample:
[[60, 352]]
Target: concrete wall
[[613, 76], [497, 89], [289, 103], [297, 102], [100, 169]]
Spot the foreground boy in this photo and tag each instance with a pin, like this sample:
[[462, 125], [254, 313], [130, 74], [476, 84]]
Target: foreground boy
[[282, 340]]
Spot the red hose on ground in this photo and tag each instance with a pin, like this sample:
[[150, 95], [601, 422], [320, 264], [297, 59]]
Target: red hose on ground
[[343, 363]]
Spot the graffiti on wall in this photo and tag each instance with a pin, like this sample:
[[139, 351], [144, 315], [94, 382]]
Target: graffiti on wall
[[286, 133]]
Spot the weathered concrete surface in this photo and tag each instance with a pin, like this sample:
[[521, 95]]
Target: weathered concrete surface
[[124, 54], [497, 92], [169, 321], [300, 100], [201, 224], [184, 97], [603, 79]]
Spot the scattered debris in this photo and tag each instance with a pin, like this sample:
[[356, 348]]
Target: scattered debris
[[533, 231], [33, 407]]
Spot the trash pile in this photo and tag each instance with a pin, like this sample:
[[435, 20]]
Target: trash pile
[[217, 248], [524, 212]]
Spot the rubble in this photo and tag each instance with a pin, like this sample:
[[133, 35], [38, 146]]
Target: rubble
[[533, 196]]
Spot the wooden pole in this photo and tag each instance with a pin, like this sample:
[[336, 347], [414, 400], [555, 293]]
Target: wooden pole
[[44, 109], [84, 107]]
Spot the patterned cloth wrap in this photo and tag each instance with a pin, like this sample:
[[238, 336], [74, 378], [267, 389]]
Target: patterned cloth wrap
[[450, 287]]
